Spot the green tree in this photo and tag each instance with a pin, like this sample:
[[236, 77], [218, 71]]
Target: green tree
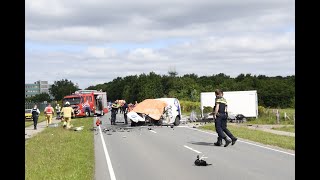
[[62, 88], [41, 97], [150, 86]]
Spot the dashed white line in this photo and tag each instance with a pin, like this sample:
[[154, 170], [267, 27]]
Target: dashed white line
[[245, 142], [192, 149], [153, 131], [111, 172]]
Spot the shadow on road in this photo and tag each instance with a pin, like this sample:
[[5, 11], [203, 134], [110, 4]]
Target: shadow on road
[[202, 143]]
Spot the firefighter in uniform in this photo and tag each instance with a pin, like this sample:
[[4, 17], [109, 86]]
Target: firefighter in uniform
[[48, 111], [220, 116], [67, 113]]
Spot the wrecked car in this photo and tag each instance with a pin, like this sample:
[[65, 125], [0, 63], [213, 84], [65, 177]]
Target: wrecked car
[[160, 111]]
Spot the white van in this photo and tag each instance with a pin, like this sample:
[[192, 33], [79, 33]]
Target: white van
[[173, 111]]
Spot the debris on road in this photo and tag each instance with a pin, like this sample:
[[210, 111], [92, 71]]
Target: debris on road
[[200, 162], [78, 128], [53, 125]]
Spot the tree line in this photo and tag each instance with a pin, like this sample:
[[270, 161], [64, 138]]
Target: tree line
[[275, 92]]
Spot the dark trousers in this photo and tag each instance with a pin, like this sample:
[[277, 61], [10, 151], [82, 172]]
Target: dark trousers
[[113, 117], [125, 118], [221, 127], [35, 121], [58, 115]]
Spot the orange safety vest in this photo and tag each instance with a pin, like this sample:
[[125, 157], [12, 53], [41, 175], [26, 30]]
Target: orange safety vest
[[48, 110]]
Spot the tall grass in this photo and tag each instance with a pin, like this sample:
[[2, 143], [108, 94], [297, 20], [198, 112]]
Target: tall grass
[[266, 115], [57, 153]]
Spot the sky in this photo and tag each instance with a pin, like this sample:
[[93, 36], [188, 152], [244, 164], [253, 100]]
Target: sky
[[92, 42]]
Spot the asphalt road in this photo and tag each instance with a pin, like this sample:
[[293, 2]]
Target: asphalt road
[[169, 153]]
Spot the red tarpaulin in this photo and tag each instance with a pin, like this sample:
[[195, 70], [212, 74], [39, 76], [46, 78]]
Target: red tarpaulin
[[151, 107]]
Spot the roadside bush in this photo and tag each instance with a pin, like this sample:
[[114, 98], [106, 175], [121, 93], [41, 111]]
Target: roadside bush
[[188, 106], [261, 110], [207, 109]]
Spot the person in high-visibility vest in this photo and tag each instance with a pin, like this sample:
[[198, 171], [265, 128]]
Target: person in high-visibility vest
[[67, 113], [220, 117], [58, 109], [35, 115], [48, 111]]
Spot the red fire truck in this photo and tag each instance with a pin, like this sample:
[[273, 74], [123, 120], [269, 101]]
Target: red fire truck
[[86, 103]]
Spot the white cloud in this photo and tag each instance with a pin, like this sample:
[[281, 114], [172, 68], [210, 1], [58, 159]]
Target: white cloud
[[255, 37]]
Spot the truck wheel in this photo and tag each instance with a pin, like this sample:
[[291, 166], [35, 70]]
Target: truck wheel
[[177, 121], [87, 113]]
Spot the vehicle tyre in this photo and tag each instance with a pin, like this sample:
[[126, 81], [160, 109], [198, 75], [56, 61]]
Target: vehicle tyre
[[87, 113], [159, 122], [177, 121]]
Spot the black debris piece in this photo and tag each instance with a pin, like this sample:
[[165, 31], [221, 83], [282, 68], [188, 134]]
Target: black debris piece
[[200, 162]]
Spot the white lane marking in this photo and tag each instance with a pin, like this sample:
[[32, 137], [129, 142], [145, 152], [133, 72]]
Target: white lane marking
[[192, 149], [153, 131], [111, 172], [245, 142]]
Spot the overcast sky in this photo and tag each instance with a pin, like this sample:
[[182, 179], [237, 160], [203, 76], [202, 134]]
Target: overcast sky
[[94, 41]]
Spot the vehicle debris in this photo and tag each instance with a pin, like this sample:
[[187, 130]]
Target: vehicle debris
[[78, 128], [200, 162]]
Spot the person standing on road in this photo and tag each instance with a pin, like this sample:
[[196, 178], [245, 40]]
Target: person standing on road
[[67, 113], [48, 111], [58, 111], [114, 112], [35, 115], [125, 111], [220, 116]]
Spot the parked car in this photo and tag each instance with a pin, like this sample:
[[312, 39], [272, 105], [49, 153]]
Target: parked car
[[28, 114]]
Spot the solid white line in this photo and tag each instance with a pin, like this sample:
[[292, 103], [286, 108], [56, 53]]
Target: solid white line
[[111, 172], [153, 131], [192, 149], [246, 142]]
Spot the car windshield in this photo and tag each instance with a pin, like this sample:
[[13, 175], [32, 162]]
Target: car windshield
[[28, 111], [72, 101]]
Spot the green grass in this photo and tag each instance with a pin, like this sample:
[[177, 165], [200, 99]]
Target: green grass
[[285, 128], [57, 153], [40, 119], [286, 142], [266, 118]]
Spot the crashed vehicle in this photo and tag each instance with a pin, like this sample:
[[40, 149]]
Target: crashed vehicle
[[160, 111]]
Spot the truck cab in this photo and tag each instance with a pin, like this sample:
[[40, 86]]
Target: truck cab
[[86, 103]]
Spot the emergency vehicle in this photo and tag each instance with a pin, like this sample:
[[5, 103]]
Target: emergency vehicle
[[87, 103]]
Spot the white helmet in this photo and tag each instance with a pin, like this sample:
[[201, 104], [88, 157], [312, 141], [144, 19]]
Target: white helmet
[[67, 103]]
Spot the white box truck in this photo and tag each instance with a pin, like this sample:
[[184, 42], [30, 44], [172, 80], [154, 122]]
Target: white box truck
[[239, 102]]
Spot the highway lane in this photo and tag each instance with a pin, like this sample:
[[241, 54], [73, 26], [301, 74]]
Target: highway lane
[[169, 153]]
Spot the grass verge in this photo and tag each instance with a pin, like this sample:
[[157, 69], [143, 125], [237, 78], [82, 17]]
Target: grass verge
[[285, 128], [40, 119], [57, 153], [286, 142]]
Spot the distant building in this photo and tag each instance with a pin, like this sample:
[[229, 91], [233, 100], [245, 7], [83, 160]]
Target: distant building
[[37, 87]]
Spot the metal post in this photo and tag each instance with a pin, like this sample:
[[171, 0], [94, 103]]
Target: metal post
[[278, 117]]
